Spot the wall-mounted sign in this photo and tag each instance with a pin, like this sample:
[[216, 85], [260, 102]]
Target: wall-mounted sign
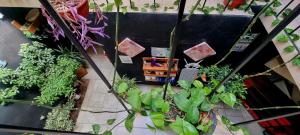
[[130, 48], [159, 52], [245, 42], [199, 51]]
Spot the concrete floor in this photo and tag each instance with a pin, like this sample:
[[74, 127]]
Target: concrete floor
[[97, 98]]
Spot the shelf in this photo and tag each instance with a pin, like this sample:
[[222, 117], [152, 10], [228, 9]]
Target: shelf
[[172, 75], [293, 70]]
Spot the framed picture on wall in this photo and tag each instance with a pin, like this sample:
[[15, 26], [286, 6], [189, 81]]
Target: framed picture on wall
[[130, 48], [200, 51]]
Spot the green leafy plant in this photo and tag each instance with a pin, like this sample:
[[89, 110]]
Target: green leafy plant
[[8, 93], [220, 8], [182, 109], [206, 9], [277, 3], [154, 6], [296, 61], [270, 12], [108, 7], [276, 22], [96, 128], [289, 49], [60, 81], [124, 9], [282, 38], [7, 75], [59, 118], [286, 12]]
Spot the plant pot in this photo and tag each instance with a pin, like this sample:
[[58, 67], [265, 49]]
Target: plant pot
[[81, 71], [81, 5], [234, 3]]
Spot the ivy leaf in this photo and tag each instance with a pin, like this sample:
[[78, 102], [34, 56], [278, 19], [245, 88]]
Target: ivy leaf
[[129, 122], [289, 49], [122, 87], [124, 10], [134, 99], [110, 121], [207, 91], [158, 119], [143, 10], [118, 2], [151, 128], [296, 61], [294, 37], [270, 11], [286, 12], [193, 114], [184, 84], [206, 106], [107, 133], [282, 38], [109, 7], [277, 3], [96, 128], [183, 127], [181, 101], [197, 96], [159, 103], [205, 127], [275, 22], [206, 10], [228, 98], [147, 98], [198, 84]]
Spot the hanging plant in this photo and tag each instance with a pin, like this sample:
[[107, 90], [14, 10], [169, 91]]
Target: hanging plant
[[74, 12]]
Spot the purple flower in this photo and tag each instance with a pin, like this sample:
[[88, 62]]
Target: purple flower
[[79, 26]]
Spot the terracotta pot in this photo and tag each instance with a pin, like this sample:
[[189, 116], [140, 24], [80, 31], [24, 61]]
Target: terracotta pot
[[234, 3], [81, 72], [82, 8]]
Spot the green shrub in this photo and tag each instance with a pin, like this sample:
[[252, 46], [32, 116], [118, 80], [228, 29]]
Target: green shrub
[[59, 119], [60, 81], [8, 93], [7, 75]]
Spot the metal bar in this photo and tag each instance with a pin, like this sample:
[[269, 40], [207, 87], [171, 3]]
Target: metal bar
[[19, 129], [226, 5], [203, 4], [248, 7], [264, 43], [154, 5], [266, 119], [287, 5], [174, 42], [77, 44], [130, 2]]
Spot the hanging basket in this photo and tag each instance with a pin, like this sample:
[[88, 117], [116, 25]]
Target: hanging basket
[[61, 6], [234, 3]]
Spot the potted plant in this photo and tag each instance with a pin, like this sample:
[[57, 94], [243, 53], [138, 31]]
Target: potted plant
[[75, 12], [190, 110]]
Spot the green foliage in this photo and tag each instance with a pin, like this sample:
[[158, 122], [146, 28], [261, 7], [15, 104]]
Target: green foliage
[[205, 126], [60, 81], [231, 127], [270, 12], [276, 22], [109, 7], [277, 3], [176, 2], [282, 38], [124, 84], [220, 8], [134, 99], [118, 2], [59, 118], [96, 128], [184, 84], [296, 61], [107, 133], [133, 7], [206, 9], [124, 10], [183, 127], [158, 119], [33, 36], [8, 93], [228, 98], [143, 9], [7, 75], [286, 12], [154, 6], [289, 49], [129, 122], [110, 121]]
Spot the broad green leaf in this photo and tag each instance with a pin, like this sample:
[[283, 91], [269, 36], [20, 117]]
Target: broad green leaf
[[216, 83], [158, 104], [226, 121], [147, 98], [118, 2], [294, 37], [192, 114], [158, 119], [129, 122], [289, 49], [122, 87], [124, 10], [181, 101], [275, 22], [228, 98], [156, 92], [245, 131], [107, 133], [198, 84], [205, 126], [151, 128], [96, 128], [109, 7], [207, 90], [184, 84], [170, 91], [206, 105], [134, 99], [183, 127], [197, 96], [215, 99], [144, 113], [110, 121], [282, 38]]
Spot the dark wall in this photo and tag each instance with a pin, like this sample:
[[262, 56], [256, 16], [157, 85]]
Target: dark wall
[[153, 30]]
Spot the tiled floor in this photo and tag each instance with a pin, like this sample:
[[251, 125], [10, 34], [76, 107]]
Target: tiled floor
[[98, 99]]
